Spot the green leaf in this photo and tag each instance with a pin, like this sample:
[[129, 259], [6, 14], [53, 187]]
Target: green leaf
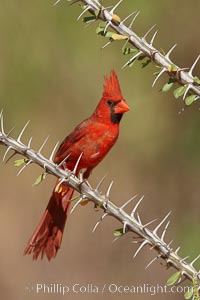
[[102, 24], [167, 86], [196, 80], [89, 19], [179, 91], [188, 294], [118, 232], [174, 278], [40, 179], [127, 51], [190, 99], [145, 63], [108, 34], [97, 12], [20, 162], [99, 30]]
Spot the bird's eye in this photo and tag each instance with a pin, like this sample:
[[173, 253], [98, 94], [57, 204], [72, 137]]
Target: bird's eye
[[109, 102]]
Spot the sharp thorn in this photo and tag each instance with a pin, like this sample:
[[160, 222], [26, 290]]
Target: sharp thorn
[[12, 155], [127, 202], [21, 133], [45, 168], [170, 243], [29, 142], [149, 223], [170, 51], [116, 239], [86, 181], [23, 168], [7, 150], [107, 44], [183, 259], [164, 231], [124, 20], [106, 27], [160, 224], [124, 227], [139, 220], [192, 263], [134, 18], [11, 130], [126, 42], [109, 189], [132, 59], [56, 2], [147, 33], [113, 9], [2, 127], [81, 175], [62, 162], [74, 1], [158, 76], [53, 152], [136, 242], [107, 7], [154, 259], [153, 38], [193, 66], [183, 69], [77, 164], [100, 182], [95, 226], [136, 206], [176, 251], [100, 220], [187, 90], [180, 280], [44, 143], [75, 205], [60, 181], [140, 248], [1, 113], [82, 13]]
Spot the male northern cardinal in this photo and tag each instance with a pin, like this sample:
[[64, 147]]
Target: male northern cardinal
[[92, 138]]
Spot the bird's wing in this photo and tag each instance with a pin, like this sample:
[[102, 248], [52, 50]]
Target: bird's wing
[[74, 137]]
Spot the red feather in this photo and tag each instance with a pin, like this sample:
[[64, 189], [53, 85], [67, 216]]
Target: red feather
[[93, 138]]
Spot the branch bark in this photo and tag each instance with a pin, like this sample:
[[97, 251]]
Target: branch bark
[[183, 76], [130, 222]]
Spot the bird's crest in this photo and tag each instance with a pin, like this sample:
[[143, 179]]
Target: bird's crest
[[112, 88]]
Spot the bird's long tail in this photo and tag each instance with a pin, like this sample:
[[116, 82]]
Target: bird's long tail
[[47, 237]]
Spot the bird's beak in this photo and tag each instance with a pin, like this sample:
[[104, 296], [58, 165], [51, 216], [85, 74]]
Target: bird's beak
[[121, 107]]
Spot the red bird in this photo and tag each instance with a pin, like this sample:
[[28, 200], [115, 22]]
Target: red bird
[[93, 138]]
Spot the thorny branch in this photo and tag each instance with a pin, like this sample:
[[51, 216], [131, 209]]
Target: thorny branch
[[130, 222], [190, 84]]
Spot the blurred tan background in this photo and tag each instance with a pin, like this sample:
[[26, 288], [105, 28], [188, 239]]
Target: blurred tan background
[[51, 72]]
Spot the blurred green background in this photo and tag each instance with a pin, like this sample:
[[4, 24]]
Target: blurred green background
[[51, 72]]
